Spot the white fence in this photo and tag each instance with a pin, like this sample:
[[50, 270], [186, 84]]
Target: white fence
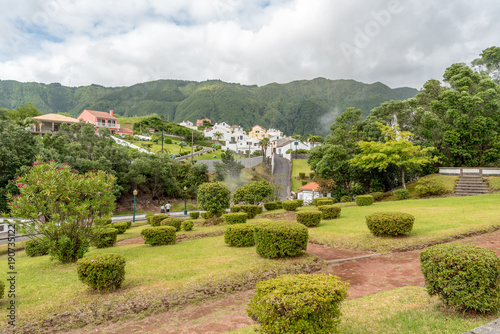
[[481, 171]]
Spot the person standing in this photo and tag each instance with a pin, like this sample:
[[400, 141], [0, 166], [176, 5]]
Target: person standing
[[162, 209], [167, 207]]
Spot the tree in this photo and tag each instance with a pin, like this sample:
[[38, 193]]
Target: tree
[[213, 197], [490, 61], [397, 150], [253, 192], [62, 205], [22, 112], [206, 124], [264, 143], [218, 135], [228, 167]]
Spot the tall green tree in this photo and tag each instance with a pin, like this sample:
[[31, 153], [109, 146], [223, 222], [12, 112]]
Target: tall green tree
[[490, 62], [228, 167], [397, 150]]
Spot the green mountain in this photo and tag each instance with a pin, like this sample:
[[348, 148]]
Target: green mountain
[[302, 107]]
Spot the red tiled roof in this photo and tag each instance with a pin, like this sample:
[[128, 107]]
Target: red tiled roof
[[310, 187], [101, 114]]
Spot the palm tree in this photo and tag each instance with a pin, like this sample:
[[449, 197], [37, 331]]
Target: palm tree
[[264, 143], [218, 135]]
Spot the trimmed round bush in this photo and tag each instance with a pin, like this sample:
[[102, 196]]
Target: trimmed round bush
[[279, 204], [329, 211], [298, 304], [156, 219], [235, 209], [300, 201], [290, 205], [309, 218], [322, 202], [251, 210], [120, 226], [235, 218], [159, 235], [239, 235], [187, 225], [401, 194], [364, 200], [315, 200], [172, 221], [345, 199], [102, 221], [390, 223], [207, 215], [465, 277], [271, 206], [194, 215], [2, 289], [105, 237], [149, 217], [129, 224], [429, 187], [102, 272], [278, 239], [302, 175], [377, 196], [36, 247]]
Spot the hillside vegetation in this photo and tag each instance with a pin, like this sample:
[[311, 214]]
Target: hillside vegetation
[[299, 107]]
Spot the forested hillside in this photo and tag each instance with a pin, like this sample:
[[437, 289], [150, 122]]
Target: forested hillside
[[299, 107]]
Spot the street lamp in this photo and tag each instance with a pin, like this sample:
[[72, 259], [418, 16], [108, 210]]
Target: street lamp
[[135, 194], [185, 209]]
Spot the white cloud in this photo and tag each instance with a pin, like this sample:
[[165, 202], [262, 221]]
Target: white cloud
[[114, 43]]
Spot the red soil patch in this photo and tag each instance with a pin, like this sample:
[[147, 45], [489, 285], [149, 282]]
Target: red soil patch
[[366, 276]]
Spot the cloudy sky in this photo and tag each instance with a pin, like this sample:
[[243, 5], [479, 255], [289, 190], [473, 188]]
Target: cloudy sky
[[118, 43]]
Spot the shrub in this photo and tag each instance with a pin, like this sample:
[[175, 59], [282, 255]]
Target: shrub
[[465, 277], [329, 211], [102, 272], [345, 199], [159, 235], [213, 197], [309, 218], [278, 239], [36, 247], [172, 221], [300, 201], [129, 224], [149, 217], [102, 221], [105, 237], [253, 192], [302, 175], [304, 182], [207, 215], [279, 204], [364, 200], [377, 196], [429, 187], [298, 304], [311, 175], [251, 210], [187, 225], [194, 215], [236, 218], [271, 206], [2, 289], [120, 226], [315, 200], [235, 209], [290, 205], [324, 202], [156, 219], [390, 223], [239, 235], [400, 194]]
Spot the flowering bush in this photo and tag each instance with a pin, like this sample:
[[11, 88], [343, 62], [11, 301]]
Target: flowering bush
[[62, 205]]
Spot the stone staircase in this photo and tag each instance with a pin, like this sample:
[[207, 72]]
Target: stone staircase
[[471, 184]]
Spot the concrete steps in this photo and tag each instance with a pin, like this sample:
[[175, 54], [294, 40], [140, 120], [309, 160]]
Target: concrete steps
[[470, 185]]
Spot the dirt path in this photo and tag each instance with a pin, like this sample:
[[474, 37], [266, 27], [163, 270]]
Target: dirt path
[[366, 276]]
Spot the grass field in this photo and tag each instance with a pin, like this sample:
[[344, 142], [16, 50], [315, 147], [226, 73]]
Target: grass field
[[299, 166]]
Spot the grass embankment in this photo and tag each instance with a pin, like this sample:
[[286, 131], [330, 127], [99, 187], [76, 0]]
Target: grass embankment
[[402, 310], [156, 278], [447, 180], [299, 166]]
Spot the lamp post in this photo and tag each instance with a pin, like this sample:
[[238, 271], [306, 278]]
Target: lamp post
[[185, 209], [135, 194]]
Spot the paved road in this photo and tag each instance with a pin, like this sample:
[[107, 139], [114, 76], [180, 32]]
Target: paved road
[[282, 175]]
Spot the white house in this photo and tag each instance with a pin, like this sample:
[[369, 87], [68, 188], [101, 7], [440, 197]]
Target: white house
[[188, 124], [309, 192]]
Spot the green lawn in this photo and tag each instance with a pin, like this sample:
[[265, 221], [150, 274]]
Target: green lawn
[[436, 220], [299, 166], [402, 310]]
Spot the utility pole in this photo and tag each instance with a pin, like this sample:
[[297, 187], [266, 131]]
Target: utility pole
[[192, 146]]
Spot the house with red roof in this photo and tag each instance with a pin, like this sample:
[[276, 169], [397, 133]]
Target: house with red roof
[[199, 122], [103, 119], [310, 191]]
